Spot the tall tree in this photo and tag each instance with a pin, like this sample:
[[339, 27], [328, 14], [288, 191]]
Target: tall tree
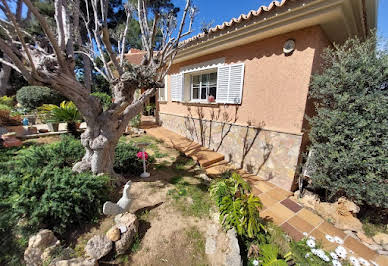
[[49, 60]]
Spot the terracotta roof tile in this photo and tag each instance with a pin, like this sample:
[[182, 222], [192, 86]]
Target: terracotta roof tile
[[242, 18]]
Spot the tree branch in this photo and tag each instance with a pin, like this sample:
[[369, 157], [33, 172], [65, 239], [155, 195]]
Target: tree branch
[[19, 34], [48, 32], [19, 64]]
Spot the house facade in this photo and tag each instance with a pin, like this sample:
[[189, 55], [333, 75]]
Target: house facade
[[241, 89]]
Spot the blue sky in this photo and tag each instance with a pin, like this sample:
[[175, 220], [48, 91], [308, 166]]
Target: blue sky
[[223, 10]]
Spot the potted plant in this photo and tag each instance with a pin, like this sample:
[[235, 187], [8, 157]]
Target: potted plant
[[150, 109], [65, 112]]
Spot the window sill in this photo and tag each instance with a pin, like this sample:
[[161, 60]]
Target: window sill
[[204, 104], [163, 102]]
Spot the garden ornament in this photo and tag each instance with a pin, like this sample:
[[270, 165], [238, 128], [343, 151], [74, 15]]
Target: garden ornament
[[122, 205], [144, 157]]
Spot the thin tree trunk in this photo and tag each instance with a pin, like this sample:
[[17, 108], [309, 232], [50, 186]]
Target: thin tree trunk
[[5, 74], [87, 73]]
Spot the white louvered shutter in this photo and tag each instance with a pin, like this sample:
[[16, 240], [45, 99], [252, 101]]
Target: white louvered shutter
[[230, 80], [236, 83], [223, 84], [177, 87]]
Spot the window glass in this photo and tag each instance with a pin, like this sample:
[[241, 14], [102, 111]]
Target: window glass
[[204, 85], [195, 93], [196, 81], [203, 93], [213, 79], [213, 92]]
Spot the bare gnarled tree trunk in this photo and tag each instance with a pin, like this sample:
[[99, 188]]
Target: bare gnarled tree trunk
[[50, 61]]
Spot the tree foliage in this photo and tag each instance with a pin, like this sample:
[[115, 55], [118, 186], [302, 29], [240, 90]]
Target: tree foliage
[[349, 134]]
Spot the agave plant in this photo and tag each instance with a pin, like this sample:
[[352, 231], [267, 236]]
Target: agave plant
[[65, 112]]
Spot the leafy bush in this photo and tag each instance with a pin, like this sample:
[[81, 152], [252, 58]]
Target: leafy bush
[[31, 97], [105, 99], [238, 207], [39, 190], [59, 199], [5, 107], [349, 133], [126, 161], [8, 101], [55, 155]]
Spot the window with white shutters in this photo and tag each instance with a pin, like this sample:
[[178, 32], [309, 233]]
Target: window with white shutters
[[177, 87], [230, 83]]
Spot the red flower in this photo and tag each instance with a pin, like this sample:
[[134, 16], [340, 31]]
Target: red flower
[[140, 155]]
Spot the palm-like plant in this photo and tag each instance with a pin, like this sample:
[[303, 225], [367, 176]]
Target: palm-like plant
[[238, 207], [65, 112]]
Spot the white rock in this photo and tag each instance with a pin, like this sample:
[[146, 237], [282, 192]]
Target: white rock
[[210, 246], [98, 246], [233, 257]]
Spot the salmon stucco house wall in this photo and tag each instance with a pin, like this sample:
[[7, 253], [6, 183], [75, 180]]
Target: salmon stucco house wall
[[242, 88]]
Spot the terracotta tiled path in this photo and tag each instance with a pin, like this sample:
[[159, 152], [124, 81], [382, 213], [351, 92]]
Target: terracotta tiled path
[[278, 207]]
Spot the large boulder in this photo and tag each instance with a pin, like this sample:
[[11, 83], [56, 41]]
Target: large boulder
[[131, 224], [98, 246], [36, 252]]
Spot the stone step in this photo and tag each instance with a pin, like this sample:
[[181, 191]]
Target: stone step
[[203, 156]]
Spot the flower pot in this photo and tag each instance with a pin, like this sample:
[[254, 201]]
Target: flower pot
[[53, 127]]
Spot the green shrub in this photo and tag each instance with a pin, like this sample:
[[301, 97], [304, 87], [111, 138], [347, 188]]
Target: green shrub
[[8, 101], [105, 99], [126, 161], [55, 155], [60, 199], [31, 97], [349, 133], [5, 107], [238, 207]]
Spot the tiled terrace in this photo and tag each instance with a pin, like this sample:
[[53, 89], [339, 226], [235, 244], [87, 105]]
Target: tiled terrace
[[278, 207]]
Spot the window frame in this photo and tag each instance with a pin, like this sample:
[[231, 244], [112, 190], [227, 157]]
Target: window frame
[[207, 85]]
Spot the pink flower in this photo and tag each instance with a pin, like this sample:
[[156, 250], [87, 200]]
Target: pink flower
[[140, 155]]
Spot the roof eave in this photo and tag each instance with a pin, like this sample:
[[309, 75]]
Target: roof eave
[[339, 19]]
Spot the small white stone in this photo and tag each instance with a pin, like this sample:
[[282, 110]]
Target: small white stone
[[122, 228]]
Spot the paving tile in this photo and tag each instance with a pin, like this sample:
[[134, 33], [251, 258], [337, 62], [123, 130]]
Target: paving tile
[[281, 212], [263, 186], [292, 205], [300, 224], [292, 231], [270, 216], [381, 260], [256, 191], [321, 238], [360, 249], [330, 229], [279, 194], [267, 200], [307, 215]]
